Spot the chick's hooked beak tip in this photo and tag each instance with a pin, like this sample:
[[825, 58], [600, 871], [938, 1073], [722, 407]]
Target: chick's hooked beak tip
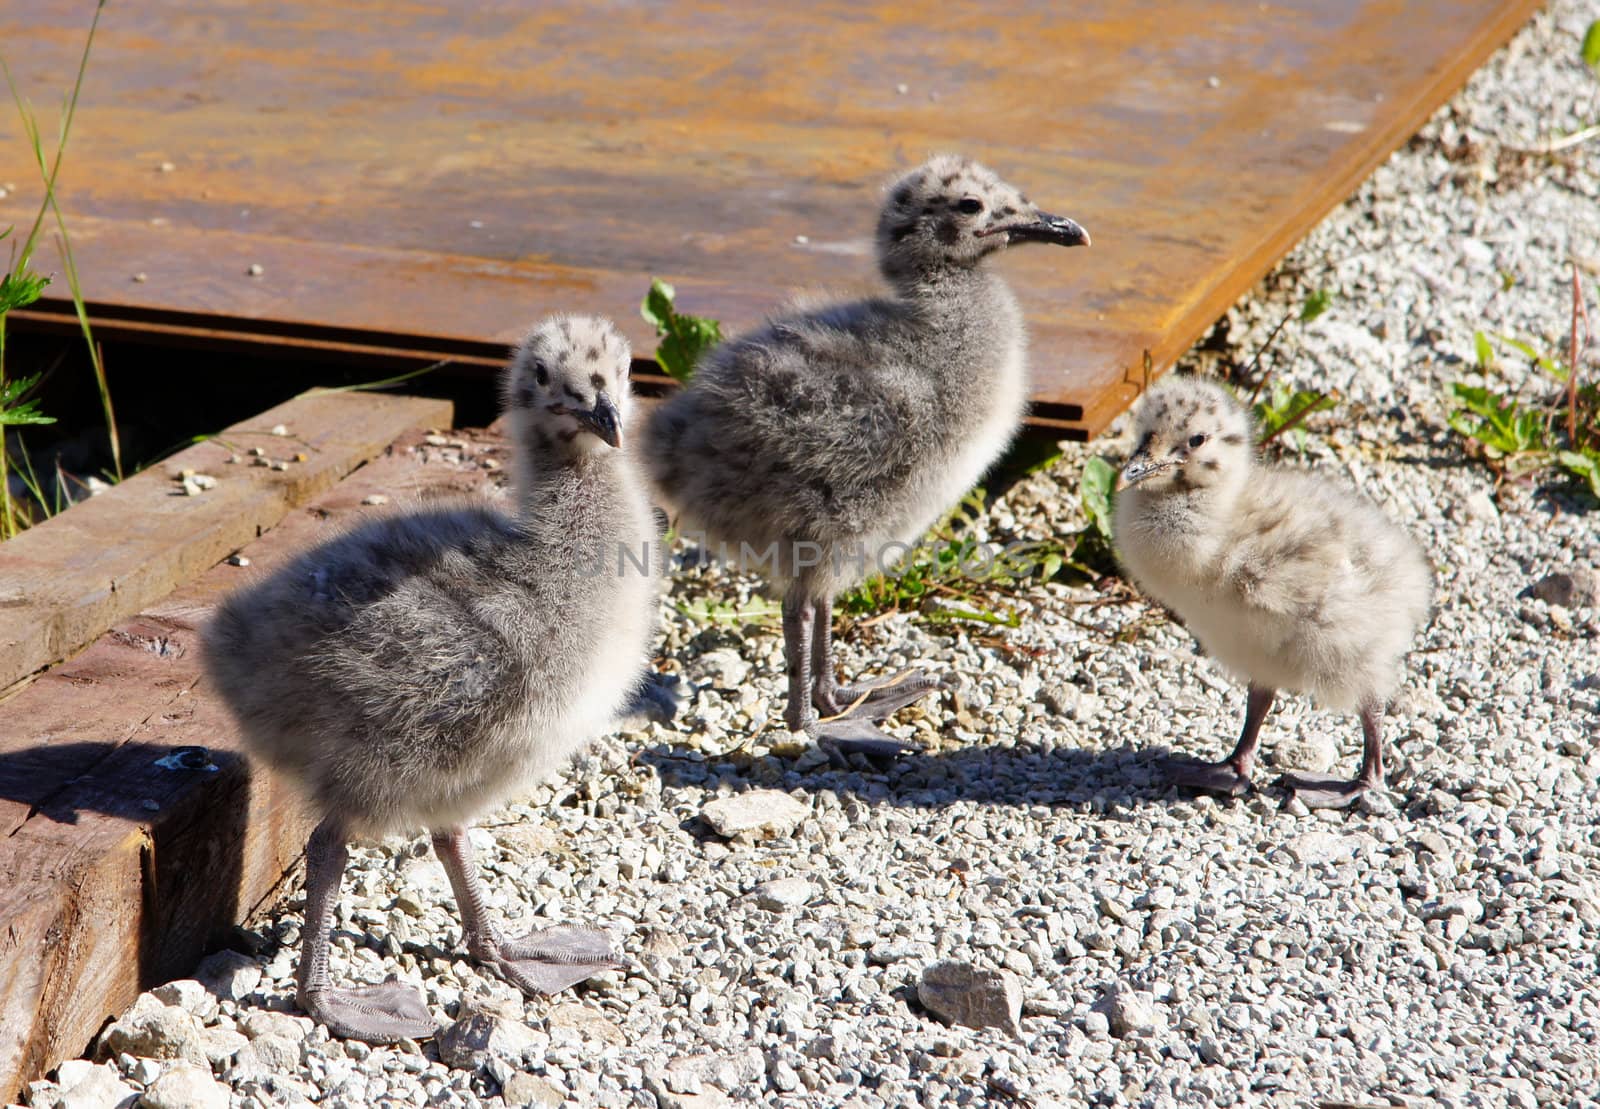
[[1047, 228], [604, 420]]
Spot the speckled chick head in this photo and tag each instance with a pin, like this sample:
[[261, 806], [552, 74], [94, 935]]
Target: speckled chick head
[[566, 388], [1190, 436], [951, 213]]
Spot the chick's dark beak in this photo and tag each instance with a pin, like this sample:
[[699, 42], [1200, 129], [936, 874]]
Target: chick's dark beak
[[604, 420], [1048, 229], [1139, 467]]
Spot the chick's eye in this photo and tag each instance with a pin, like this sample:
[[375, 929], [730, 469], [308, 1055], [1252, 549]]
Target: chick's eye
[[541, 374], [969, 206], [1196, 440]]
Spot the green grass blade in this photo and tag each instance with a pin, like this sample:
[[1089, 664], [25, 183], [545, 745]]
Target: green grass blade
[[369, 386]]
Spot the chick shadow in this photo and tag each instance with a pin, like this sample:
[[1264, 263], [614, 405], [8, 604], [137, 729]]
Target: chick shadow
[[1068, 777], [158, 830]]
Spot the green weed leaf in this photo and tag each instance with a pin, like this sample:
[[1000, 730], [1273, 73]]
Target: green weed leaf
[[1287, 408], [1502, 426], [20, 289], [1591, 47], [13, 410], [657, 306], [1585, 466], [757, 610], [1484, 350], [1095, 491], [1316, 304], [684, 338]]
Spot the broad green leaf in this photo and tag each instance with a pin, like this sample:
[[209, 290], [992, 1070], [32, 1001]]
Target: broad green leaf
[[1582, 465], [657, 306], [684, 338], [1591, 47], [1095, 491], [674, 358], [1316, 304]]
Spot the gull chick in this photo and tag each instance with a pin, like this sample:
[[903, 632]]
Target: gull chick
[[425, 666], [1290, 580], [825, 442]]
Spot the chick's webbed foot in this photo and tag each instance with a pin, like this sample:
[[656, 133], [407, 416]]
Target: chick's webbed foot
[[877, 700], [1230, 776], [849, 712], [853, 735], [549, 960], [1323, 791], [383, 1014], [1222, 777]]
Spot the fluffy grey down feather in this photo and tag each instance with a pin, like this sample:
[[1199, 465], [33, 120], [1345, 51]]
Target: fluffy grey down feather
[[420, 667], [1289, 579], [855, 425]]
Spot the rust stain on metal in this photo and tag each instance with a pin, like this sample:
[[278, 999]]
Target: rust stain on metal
[[424, 174]]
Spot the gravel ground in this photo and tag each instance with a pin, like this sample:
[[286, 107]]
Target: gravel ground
[[1126, 944]]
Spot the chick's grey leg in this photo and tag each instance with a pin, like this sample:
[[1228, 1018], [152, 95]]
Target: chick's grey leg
[[877, 700], [376, 1014], [1229, 776], [810, 666], [545, 961], [798, 616], [1322, 791]]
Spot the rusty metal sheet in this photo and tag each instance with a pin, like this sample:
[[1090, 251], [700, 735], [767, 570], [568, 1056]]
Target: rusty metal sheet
[[422, 173]]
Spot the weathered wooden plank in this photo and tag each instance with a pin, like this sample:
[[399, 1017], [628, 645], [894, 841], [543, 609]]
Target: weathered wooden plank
[[70, 578], [516, 158], [120, 873]]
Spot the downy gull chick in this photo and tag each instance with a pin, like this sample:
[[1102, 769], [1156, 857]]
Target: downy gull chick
[[822, 444], [1289, 579], [423, 667]]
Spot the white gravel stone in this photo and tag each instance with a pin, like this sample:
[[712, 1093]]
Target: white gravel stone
[[265, 1022], [784, 893], [142, 1071], [725, 667], [471, 1041], [1128, 1012], [183, 1085], [1317, 753], [754, 814], [525, 1089], [97, 1087], [188, 994], [229, 975], [571, 1020], [962, 993], [221, 1045], [155, 1030]]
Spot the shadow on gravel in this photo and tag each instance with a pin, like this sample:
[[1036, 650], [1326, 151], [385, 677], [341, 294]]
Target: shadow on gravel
[[1073, 777]]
